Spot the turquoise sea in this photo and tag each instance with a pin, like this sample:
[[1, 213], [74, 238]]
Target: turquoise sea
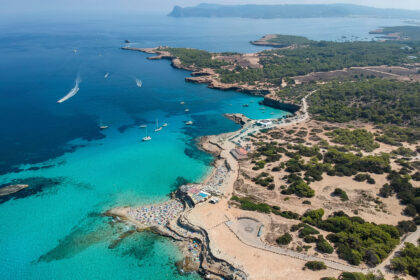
[[54, 229]]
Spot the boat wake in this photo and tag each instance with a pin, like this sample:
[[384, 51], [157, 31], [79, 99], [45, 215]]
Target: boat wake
[[139, 82], [72, 92]]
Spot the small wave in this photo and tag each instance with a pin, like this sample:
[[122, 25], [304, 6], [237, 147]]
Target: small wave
[[72, 92]]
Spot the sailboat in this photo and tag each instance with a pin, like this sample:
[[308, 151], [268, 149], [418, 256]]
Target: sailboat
[[146, 138], [102, 126], [157, 126], [165, 125]]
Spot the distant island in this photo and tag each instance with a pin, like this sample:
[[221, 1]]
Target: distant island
[[290, 11]]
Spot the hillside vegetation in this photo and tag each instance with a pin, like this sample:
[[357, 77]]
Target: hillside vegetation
[[377, 101]]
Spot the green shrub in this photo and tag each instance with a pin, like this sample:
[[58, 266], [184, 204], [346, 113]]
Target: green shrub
[[356, 240], [323, 246], [315, 265], [340, 193], [408, 260], [406, 227], [288, 215], [247, 204], [259, 165], [285, 239], [294, 228], [359, 138], [359, 276], [299, 188], [310, 239], [307, 230]]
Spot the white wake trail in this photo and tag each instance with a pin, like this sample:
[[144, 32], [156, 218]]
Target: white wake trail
[[72, 92], [139, 83]]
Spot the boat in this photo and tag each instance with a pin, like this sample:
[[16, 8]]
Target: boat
[[187, 110], [75, 50], [139, 83], [157, 126], [146, 138], [189, 123], [245, 105], [102, 126], [272, 113], [143, 125], [182, 102], [106, 75], [165, 125], [127, 41]]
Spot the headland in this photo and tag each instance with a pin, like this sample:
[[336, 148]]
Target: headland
[[287, 197]]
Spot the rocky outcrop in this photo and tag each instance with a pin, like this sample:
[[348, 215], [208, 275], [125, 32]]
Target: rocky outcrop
[[210, 77], [237, 118], [272, 101]]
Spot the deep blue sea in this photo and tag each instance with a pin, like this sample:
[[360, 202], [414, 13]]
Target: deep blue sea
[[54, 229]]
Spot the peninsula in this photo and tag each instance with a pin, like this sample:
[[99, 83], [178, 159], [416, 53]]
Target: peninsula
[[330, 192]]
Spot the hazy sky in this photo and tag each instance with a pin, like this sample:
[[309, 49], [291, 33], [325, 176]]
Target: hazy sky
[[16, 6]]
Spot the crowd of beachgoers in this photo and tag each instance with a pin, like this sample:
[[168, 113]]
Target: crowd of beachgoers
[[157, 215], [216, 181]]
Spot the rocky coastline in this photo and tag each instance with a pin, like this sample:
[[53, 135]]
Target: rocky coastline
[[265, 41], [201, 259], [209, 77]]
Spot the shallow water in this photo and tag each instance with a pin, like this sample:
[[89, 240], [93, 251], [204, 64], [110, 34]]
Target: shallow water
[[54, 229]]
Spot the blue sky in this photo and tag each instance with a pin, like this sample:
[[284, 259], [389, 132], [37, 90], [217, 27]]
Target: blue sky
[[17, 6]]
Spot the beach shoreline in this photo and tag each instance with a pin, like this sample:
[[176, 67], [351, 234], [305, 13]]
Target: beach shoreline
[[177, 228], [181, 228]]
